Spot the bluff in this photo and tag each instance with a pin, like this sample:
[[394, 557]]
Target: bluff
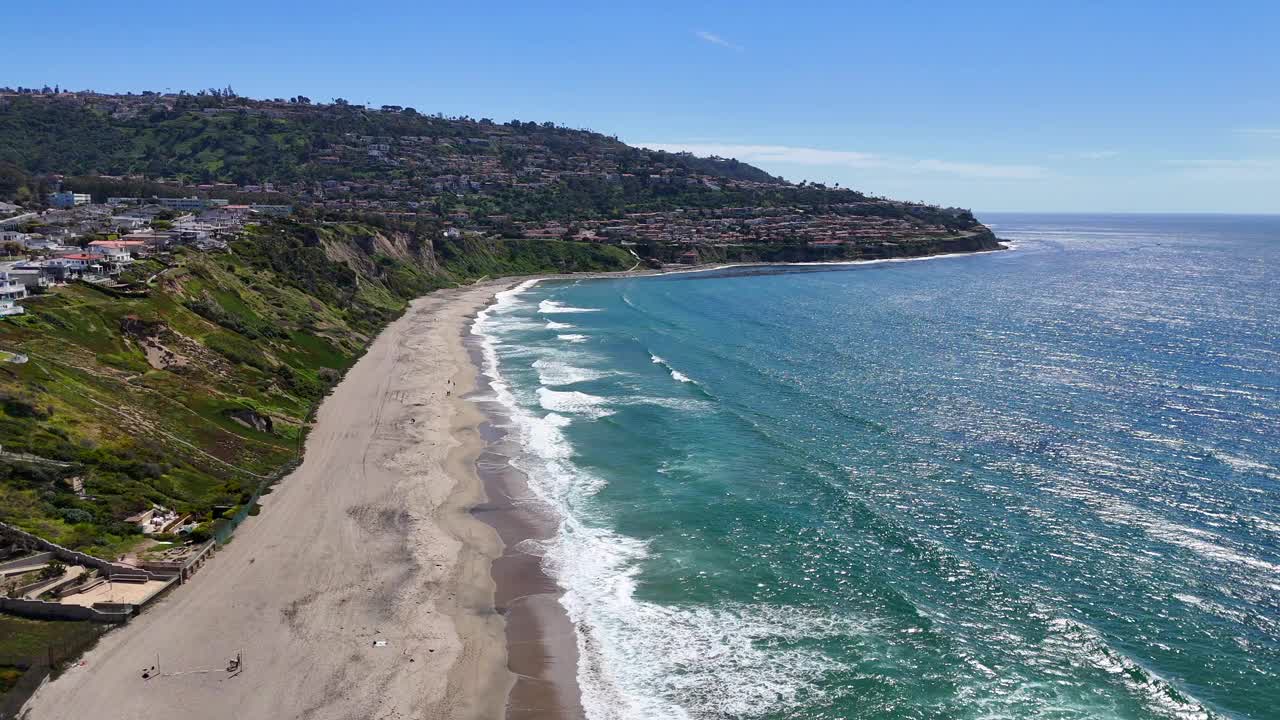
[[192, 391]]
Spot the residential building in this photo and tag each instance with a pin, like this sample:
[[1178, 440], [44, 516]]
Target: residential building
[[10, 223], [67, 199], [29, 275], [117, 250], [10, 293], [10, 290], [12, 236], [190, 204]]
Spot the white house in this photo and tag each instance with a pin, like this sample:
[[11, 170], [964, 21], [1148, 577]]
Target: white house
[[129, 222], [191, 203], [10, 293], [13, 236]]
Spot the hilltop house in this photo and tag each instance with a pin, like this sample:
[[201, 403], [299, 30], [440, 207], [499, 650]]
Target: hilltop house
[[85, 266], [10, 293], [13, 236], [121, 251], [69, 199], [28, 274]]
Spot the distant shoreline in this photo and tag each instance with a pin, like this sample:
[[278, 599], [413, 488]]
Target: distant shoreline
[[1002, 245]]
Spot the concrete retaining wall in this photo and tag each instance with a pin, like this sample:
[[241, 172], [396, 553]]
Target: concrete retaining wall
[[42, 610], [72, 557], [42, 558]]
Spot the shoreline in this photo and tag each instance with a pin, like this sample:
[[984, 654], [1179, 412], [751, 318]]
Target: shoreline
[[1002, 246], [541, 642], [362, 590], [406, 461]]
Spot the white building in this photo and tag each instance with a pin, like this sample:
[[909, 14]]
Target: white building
[[10, 293], [13, 236], [191, 203], [129, 222], [69, 199]]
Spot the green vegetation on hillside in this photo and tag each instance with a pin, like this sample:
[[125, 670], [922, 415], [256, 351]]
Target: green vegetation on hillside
[[206, 138], [191, 396]]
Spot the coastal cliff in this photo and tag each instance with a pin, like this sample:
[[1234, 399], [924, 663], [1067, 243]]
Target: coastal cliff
[[982, 240], [189, 385]]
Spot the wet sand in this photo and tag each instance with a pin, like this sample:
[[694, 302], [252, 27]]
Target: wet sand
[[542, 648]]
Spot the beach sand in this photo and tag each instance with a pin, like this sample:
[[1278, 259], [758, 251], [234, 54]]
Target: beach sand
[[370, 539]]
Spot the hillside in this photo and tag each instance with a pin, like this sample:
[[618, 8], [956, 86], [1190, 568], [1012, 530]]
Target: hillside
[[193, 392], [513, 179], [191, 389], [217, 139]]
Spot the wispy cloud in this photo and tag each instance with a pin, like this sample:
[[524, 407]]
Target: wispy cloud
[[1266, 132], [1224, 169], [715, 39], [766, 154], [1085, 155]]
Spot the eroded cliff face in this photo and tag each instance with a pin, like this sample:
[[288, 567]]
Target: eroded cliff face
[[361, 248], [979, 240]]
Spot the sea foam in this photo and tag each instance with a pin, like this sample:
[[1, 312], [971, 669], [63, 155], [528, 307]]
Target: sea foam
[[639, 659], [574, 402], [556, 372], [551, 307]]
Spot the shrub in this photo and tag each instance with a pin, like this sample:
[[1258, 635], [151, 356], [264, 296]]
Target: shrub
[[23, 406], [75, 516]]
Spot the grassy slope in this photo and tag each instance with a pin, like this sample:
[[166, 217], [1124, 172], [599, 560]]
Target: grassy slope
[[268, 327]]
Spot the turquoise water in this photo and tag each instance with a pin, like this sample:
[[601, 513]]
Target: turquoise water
[[1042, 483]]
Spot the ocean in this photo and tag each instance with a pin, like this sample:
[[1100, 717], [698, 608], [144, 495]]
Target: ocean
[[1035, 483]]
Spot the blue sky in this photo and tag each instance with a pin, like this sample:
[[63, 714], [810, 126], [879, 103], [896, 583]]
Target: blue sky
[[1119, 106]]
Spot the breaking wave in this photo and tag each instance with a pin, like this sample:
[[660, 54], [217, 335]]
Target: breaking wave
[[675, 374], [551, 307]]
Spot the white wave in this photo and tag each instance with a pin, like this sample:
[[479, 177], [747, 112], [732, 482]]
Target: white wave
[[683, 404], [551, 307], [572, 338], [675, 374], [1072, 639], [572, 401], [556, 372], [547, 451], [645, 660], [639, 659], [553, 325]]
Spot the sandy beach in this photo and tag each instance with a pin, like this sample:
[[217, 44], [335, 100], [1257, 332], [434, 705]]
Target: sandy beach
[[363, 589]]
